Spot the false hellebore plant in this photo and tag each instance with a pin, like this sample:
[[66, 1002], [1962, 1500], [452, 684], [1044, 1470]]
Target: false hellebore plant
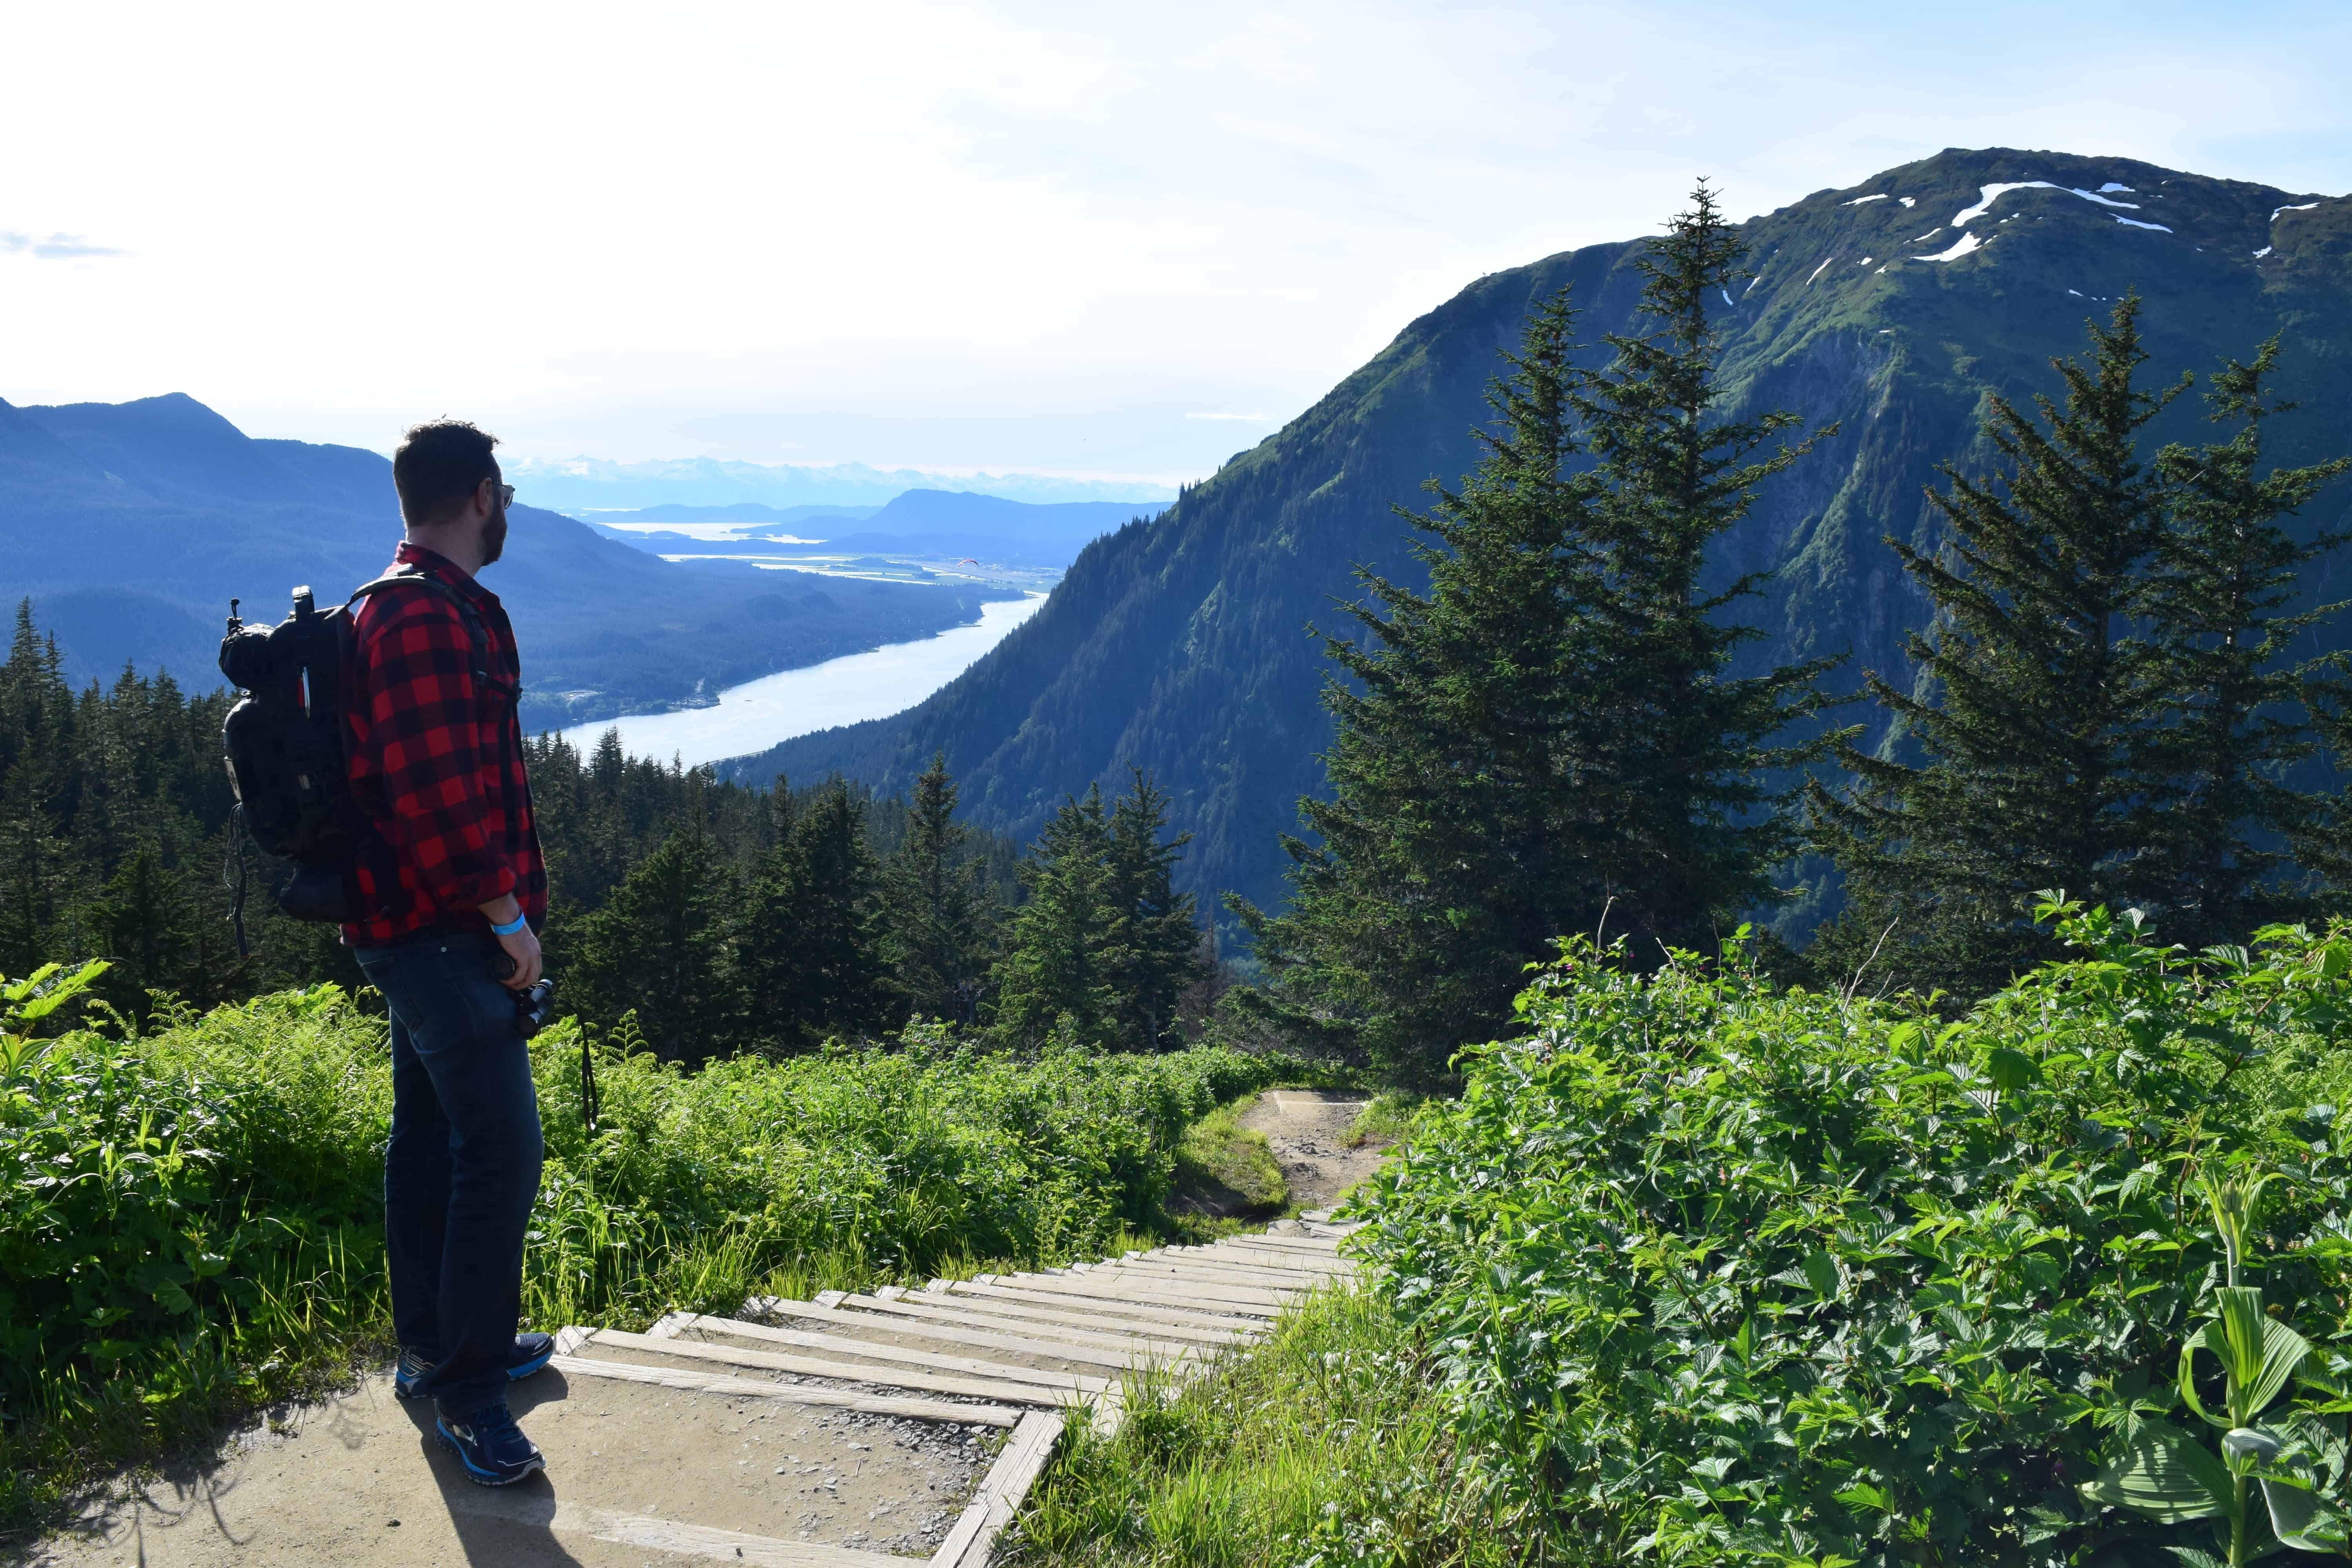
[[2165, 1474]]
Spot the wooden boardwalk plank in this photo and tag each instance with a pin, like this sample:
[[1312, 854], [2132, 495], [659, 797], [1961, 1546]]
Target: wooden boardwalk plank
[[1114, 1338], [948, 1328], [1096, 1302], [933, 1360], [1221, 1292], [790, 1394], [969, 1543], [1188, 1274], [1006, 1307], [1272, 1259], [680, 1540], [1136, 1292], [841, 1371]]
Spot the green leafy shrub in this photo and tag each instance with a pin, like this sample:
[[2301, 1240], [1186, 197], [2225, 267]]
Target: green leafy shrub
[[1719, 1274], [191, 1222]]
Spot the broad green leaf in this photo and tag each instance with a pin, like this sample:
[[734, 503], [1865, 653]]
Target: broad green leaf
[[2163, 1474], [2009, 1070], [1822, 1273], [2242, 1443], [2283, 1352], [2303, 1519]]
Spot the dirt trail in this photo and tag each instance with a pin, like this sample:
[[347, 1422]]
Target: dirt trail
[[360, 1480], [1304, 1128]]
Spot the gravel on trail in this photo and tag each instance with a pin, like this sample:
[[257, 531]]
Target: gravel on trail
[[1305, 1127]]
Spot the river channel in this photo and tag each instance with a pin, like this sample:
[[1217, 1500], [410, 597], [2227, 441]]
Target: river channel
[[846, 691]]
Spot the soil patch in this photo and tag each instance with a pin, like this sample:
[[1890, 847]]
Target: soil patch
[[1304, 1128]]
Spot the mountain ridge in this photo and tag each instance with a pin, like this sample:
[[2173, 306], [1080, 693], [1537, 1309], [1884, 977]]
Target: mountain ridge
[[1180, 645], [600, 484], [130, 526]]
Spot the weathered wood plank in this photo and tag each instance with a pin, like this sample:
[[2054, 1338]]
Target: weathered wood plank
[[1236, 1291], [1189, 1274], [982, 1314], [1095, 1303], [1000, 1493], [790, 1394], [1141, 1292], [935, 1361], [948, 1328], [1009, 1305], [841, 1371], [668, 1535], [1107, 1313]]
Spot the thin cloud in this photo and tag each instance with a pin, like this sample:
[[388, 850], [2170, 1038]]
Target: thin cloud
[[1246, 418], [55, 247]]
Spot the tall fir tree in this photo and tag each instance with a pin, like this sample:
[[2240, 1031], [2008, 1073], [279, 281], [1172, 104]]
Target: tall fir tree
[[1154, 944], [809, 951], [1552, 731], [938, 920], [2032, 693], [657, 948], [2222, 818], [1057, 971]]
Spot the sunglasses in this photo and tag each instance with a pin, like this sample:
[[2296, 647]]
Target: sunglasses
[[506, 494]]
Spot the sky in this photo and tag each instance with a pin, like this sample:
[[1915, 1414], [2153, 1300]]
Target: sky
[[1102, 240]]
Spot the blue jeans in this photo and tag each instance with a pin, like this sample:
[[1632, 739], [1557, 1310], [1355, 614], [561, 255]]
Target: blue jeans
[[462, 1168]]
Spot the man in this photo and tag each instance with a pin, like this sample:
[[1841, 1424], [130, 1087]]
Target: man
[[451, 899]]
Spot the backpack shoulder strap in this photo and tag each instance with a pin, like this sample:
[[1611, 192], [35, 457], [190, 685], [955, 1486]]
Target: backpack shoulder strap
[[466, 613]]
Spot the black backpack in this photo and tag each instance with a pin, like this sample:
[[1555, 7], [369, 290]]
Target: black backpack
[[284, 740]]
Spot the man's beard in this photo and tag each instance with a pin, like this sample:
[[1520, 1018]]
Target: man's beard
[[494, 536]]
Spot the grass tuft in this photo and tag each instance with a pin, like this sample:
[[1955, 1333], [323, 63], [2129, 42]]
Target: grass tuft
[[1226, 1170], [1387, 1120], [1324, 1444]]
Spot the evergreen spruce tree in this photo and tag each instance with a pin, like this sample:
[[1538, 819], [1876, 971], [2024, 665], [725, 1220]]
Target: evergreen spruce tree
[[1551, 731], [141, 923], [2214, 835], [1154, 942], [938, 921], [657, 948], [809, 954], [1060, 969], [2032, 693]]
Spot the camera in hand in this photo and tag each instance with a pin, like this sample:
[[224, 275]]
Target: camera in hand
[[534, 1008]]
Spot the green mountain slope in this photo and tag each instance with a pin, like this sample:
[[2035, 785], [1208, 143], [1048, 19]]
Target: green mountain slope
[[1180, 645], [130, 525]]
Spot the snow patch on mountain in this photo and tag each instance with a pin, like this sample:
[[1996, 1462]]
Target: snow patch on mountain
[[1960, 248], [2304, 208], [1991, 193], [1859, 200], [2134, 222], [1817, 271]]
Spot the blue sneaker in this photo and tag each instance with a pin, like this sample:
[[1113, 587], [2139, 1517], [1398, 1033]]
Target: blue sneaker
[[531, 1352], [495, 1451]]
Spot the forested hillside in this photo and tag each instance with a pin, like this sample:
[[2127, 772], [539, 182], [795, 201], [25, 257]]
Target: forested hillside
[[132, 525], [1892, 307]]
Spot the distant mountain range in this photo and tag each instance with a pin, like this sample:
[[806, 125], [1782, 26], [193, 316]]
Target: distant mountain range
[[1892, 307], [918, 522], [130, 525], [734, 511], [599, 486]]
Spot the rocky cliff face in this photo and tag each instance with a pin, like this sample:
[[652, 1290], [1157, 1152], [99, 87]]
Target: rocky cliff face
[[1890, 308]]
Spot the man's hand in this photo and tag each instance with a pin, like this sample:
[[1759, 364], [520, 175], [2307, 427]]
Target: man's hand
[[522, 947]]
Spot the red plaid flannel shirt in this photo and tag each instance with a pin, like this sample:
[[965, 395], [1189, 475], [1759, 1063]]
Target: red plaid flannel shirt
[[436, 764]]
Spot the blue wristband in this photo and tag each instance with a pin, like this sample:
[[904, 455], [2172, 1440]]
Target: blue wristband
[[519, 922]]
